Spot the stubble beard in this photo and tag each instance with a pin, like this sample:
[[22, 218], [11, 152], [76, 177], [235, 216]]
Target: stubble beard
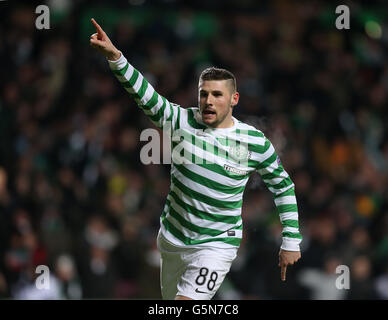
[[217, 120]]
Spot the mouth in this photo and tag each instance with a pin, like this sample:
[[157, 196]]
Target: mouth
[[208, 112], [208, 115]]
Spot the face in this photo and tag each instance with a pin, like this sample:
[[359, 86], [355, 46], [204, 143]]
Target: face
[[216, 100]]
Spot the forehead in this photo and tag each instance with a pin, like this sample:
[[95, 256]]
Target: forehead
[[214, 85]]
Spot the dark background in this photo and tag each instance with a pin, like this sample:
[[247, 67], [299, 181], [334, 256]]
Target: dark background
[[74, 195]]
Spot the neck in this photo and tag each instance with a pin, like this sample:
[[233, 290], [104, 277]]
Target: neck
[[225, 124]]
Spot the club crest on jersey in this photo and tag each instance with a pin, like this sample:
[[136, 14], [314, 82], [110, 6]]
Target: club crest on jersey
[[240, 153]]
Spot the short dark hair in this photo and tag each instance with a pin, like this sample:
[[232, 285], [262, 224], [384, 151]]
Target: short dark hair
[[214, 73]]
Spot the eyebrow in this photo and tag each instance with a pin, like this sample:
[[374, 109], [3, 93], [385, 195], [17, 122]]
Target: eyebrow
[[214, 91]]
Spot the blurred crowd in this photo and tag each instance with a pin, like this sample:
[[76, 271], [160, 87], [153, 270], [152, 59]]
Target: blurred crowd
[[74, 195]]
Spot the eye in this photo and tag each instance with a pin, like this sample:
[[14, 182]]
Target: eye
[[203, 94]]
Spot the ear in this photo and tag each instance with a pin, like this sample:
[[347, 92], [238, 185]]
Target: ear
[[235, 97]]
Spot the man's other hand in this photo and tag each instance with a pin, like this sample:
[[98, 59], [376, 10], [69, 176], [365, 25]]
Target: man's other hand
[[287, 258]]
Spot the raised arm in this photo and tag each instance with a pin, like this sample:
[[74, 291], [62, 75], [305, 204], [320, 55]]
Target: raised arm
[[155, 106]]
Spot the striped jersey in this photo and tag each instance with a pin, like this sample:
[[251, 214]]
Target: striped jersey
[[209, 171]]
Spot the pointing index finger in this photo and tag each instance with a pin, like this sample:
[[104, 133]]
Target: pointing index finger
[[97, 26], [283, 271]]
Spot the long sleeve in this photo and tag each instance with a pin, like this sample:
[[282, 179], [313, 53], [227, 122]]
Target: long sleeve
[[156, 107], [280, 184]]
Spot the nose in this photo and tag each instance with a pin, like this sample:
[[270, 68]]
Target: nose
[[209, 100]]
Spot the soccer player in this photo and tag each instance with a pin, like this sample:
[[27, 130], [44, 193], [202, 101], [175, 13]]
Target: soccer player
[[201, 226]]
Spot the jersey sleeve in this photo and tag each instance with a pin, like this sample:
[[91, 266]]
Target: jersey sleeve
[[157, 108], [281, 186]]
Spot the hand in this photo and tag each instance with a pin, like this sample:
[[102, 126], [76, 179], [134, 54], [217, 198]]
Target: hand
[[287, 258], [102, 43]]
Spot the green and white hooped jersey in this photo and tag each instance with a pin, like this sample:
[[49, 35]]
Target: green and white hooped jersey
[[209, 171]]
